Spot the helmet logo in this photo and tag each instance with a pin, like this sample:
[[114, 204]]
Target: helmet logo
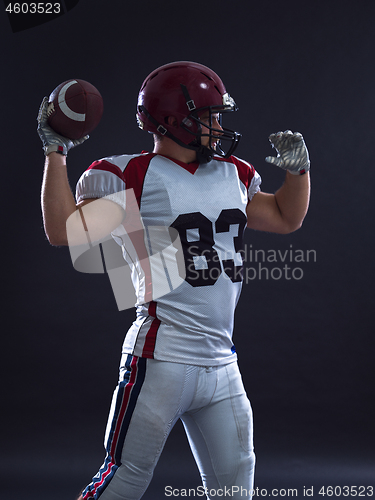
[[228, 101]]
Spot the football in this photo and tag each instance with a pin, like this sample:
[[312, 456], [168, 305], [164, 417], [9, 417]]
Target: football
[[75, 108]]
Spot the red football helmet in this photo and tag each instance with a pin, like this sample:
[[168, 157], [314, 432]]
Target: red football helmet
[[185, 90]]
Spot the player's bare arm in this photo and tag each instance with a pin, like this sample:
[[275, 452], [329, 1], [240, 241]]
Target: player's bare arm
[[58, 205], [57, 199], [284, 211]]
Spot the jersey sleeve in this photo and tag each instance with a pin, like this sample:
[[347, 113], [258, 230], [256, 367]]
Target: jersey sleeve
[[102, 179], [248, 176], [254, 185]]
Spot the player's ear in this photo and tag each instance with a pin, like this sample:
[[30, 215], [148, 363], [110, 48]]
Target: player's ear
[[171, 120]]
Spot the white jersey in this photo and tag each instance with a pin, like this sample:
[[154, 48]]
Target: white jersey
[[206, 205]]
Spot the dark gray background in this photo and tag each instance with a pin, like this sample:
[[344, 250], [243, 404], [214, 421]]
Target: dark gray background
[[305, 346]]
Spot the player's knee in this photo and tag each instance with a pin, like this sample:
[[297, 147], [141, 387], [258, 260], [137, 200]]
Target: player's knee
[[246, 463], [237, 471], [132, 480]]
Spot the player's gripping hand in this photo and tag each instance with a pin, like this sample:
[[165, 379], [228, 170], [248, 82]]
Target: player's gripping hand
[[292, 154], [50, 139]]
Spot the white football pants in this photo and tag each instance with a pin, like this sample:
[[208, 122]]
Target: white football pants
[[150, 397]]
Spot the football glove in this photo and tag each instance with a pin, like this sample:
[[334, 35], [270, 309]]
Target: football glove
[[292, 154], [50, 139]]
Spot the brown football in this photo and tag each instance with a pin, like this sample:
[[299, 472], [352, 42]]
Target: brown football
[[75, 109]]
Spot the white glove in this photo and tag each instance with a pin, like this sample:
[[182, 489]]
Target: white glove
[[292, 154], [50, 139]]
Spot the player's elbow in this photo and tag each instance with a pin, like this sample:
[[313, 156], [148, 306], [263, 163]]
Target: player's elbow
[[58, 243], [288, 227], [56, 238]]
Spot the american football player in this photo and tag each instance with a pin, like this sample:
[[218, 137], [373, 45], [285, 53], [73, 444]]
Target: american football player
[[178, 357]]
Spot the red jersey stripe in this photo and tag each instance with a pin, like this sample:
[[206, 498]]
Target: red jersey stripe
[[245, 170], [124, 404], [135, 173], [107, 167], [149, 345]]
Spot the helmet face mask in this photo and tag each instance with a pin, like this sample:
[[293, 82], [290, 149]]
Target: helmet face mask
[[185, 91], [215, 135]]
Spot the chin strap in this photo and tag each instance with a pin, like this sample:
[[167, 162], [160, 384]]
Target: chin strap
[[204, 154]]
